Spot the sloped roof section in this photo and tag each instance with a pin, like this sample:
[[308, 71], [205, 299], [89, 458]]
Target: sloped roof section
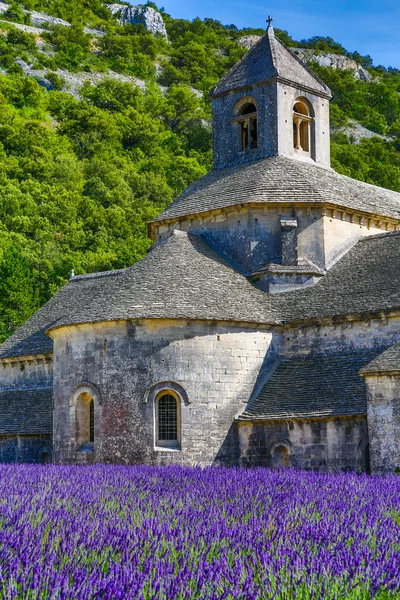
[[26, 411], [313, 386], [365, 281], [270, 59], [31, 338], [281, 179], [183, 278], [385, 363]]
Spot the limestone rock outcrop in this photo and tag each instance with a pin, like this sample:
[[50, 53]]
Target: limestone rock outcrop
[[41, 20], [336, 61], [147, 16], [324, 59], [248, 41]]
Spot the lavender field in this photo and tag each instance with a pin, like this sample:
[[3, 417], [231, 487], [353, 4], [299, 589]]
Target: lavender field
[[141, 532]]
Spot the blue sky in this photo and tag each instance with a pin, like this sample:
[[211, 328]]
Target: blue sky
[[369, 26]]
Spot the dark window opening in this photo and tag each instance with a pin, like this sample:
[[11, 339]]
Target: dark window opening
[[167, 419], [91, 425], [45, 458], [248, 128], [281, 457], [248, 109]]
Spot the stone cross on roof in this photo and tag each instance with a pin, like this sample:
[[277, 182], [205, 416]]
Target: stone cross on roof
[[269, 21]]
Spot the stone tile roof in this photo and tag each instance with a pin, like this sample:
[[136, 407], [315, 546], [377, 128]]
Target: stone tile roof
[[304, 267], [26, 411], [365, 281], [313, 386], [183, 278], [385, 362], [281, 179], [270, 59]]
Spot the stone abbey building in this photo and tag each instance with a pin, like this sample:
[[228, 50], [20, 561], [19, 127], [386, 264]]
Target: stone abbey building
[[263, 328]]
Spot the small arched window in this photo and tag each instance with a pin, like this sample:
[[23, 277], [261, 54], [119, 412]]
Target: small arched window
[[85, 430], [246, 120], [280, 457], [45, 458], [168, 419], [302, 127]]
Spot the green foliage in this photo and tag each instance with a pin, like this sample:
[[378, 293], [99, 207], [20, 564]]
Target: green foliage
[[15, 13], [56, 80], [80, 178], [77, 192], [18, 292]]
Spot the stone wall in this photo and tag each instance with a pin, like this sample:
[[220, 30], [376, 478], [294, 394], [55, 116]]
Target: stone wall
[[26, 374], [251, 235], [342, 230], [321, 445], [383, 400], [274, 103], [335, 336], [320, 146], [25, 448], [217, 366], [225, 132]]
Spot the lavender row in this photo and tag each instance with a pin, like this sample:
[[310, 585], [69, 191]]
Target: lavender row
[[175, 533]]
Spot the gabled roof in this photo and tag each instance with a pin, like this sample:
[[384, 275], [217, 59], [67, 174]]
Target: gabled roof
[[26, 411], [270, 59], [385, 362], [281, 179], [313, 386], [365, 281]]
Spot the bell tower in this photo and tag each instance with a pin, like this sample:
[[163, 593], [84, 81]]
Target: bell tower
[[270, 103]]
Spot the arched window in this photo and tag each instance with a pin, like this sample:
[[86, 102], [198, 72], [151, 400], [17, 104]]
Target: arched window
[[168, 419], [45, 458], [303, 123], [84, 415], [280, 457], [44, 455], [246, 121]]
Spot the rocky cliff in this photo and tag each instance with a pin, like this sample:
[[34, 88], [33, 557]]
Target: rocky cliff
[[324, 59], [145, 15]]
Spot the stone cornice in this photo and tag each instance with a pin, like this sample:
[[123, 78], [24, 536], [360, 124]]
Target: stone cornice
[[24, 360], [332, 211], [340, 320], [296, 419]]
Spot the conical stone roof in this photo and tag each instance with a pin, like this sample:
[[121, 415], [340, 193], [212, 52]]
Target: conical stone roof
[[281, 180], [270, 59]]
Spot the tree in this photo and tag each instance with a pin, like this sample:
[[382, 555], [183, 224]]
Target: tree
[[18, 294]]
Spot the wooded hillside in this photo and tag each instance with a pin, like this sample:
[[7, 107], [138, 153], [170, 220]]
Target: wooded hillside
[[80, 175]]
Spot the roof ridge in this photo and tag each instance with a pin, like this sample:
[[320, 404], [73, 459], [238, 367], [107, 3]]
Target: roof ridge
[[95, 275], [370, 238], [233, 68], [304, 65]]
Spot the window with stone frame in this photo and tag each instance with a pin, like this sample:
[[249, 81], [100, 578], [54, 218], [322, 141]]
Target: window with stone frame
[[85, 430], [303, 127], [168, 419], [280, 457], [246, 121]]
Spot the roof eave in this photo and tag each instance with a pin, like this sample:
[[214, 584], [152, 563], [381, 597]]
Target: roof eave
[[214, 93]]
